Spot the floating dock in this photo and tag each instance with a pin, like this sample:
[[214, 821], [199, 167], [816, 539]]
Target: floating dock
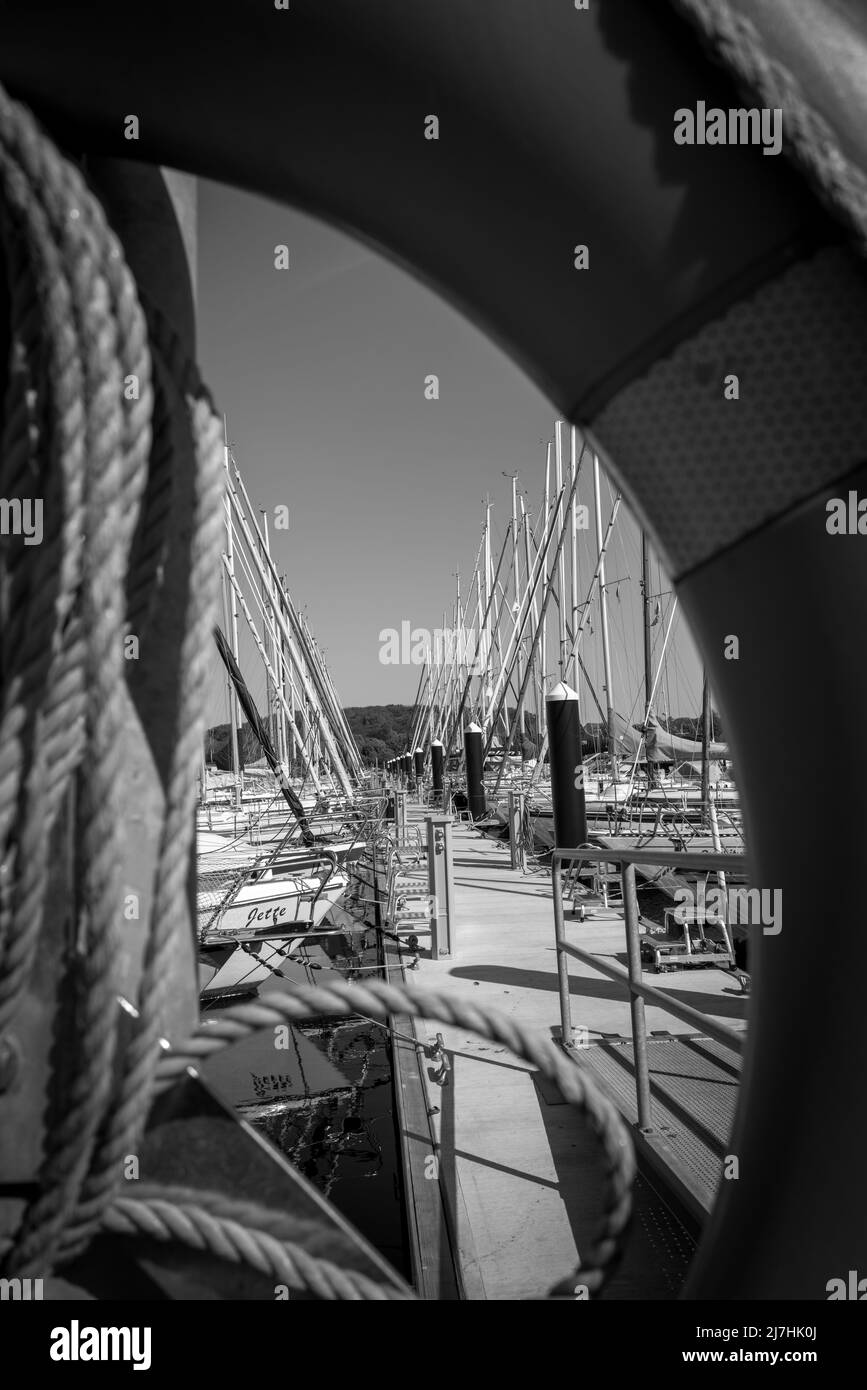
[[518, 1187]]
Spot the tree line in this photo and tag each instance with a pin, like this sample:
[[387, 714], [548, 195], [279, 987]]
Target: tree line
[[383, 731]]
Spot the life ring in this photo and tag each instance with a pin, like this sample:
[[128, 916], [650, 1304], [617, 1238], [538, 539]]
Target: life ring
[[554, 131]]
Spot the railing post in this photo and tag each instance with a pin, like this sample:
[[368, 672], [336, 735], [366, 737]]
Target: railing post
[[377, 911], [636, 1003], [440, 886], [567, 1036], [516, 829], [400, 816]]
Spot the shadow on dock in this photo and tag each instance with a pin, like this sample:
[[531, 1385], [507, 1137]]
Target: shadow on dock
[[718, 1005], [659, 1247]]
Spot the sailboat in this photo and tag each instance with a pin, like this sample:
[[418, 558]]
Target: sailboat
[[275, 852]]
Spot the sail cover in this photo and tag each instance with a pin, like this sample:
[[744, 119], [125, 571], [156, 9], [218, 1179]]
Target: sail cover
[[660, 746], [692, 772], [670, 748], [627, 741]]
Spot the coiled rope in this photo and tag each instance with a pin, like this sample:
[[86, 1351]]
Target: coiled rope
[[78, 434], [62, 233]]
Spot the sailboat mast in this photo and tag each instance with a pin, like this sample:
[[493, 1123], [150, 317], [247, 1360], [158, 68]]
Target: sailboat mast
[[493, 605], [648, 664], [561, 563], [273, 651], [466, 692], [260, 645], [233, 628], [705, 743], [476, 647], [544, 643], [572, 674], [603, 608], [516, 581], [525, 522], [550, 586], [483, 595], [233, 707], [291, 750], [581, 628], [645, 602]]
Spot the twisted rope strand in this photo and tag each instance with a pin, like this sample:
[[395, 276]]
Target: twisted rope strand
[[170, 912], [115, 456], [240, 1232], [148, 553], [40, 658]]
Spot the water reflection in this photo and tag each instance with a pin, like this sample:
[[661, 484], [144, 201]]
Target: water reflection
[[325, 1100]]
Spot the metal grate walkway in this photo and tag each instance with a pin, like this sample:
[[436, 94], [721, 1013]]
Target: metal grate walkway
[[694, 1089]]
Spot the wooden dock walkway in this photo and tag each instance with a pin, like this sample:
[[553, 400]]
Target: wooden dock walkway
[[518, 1171]]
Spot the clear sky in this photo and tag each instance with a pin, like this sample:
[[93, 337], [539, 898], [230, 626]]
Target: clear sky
[[321, 371]]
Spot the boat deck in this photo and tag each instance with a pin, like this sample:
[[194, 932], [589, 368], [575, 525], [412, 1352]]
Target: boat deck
[[519, 1172], [667, 881]]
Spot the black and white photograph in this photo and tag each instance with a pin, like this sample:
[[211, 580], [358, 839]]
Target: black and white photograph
[[433, 587]]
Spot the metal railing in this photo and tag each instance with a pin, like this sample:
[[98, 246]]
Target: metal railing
[[631, 978]]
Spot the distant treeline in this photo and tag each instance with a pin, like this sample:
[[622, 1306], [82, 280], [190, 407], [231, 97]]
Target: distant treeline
[[218, 745], [382, 732]]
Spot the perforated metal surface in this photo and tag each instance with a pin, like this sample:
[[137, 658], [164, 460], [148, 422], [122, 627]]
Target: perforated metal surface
[[709, 470], [658, 1253], [693, 1093]]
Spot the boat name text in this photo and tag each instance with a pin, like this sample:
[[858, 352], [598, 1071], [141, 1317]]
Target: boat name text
[[272, 914]]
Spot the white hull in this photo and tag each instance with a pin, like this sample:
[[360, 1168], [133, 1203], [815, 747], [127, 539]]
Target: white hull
[[272, 907]]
